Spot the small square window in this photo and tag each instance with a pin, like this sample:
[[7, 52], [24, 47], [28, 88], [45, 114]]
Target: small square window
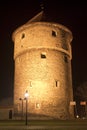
[[38, 105], [54, 33], [43, 55], [21, 46], [23, 35], [66, 59]]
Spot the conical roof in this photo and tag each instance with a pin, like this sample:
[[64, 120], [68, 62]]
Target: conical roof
[[37, 18], [40, 17]]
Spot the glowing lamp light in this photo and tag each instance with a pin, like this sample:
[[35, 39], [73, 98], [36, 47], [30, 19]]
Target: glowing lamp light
[[77, 116], [26, 94]]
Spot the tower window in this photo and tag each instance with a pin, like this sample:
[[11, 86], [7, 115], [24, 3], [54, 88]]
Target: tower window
[[30, 84], [54, 33], [57, 83], [21, 45], [38, 105], [66, 59], [64, 45], [43, 55], [23, 35]]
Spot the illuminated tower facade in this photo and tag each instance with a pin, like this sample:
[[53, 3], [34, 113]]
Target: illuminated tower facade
[[42, 54]]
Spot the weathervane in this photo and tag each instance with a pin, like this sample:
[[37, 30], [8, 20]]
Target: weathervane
[[42, 4]]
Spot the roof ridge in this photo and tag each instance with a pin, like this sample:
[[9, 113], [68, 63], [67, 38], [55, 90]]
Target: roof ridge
[[37, 18]]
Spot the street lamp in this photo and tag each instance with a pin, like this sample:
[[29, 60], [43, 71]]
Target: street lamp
[[21, 106], [26, 98]]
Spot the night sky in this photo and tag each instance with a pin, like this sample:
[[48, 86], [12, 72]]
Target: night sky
[[13, 14]]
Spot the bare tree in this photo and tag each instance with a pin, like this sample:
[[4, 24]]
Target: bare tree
[[81, 95], [81, 92]]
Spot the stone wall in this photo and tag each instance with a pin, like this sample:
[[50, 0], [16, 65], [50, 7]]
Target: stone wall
[[42, 54], [6, 113]]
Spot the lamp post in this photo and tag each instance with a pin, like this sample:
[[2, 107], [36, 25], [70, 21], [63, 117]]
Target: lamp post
[[22, 107], [26, 98]]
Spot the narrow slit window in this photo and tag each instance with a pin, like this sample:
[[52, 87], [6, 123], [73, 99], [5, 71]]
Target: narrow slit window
[[30, 84], [57, 83]]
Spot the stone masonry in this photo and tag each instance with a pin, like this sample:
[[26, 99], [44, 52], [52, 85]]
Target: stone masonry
[[42, 54]]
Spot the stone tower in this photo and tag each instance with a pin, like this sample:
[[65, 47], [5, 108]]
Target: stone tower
[[42, 54]]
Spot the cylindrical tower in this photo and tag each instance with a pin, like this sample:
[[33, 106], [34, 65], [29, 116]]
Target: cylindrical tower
[[42, 54]]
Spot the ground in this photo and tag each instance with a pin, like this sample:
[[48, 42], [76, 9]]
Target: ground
[[77, 124]]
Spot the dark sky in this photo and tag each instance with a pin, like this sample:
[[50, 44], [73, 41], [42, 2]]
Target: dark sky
[[13, 14]]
